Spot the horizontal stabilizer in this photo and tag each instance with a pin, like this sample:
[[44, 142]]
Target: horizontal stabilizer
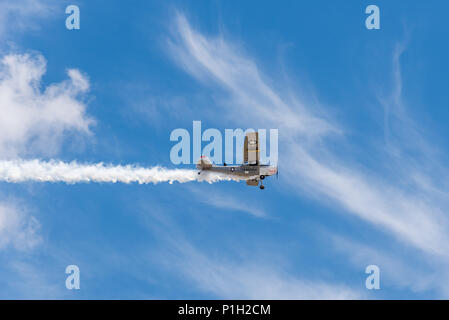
[[204, 163]]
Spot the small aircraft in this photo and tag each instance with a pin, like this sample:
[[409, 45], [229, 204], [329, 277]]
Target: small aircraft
[[251, 168]]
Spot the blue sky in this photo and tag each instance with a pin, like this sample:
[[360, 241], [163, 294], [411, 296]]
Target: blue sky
[[362, 118]]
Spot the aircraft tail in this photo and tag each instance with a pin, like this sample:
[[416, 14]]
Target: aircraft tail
[[204, 163]]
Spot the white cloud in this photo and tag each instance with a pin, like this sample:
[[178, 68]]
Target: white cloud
[[17, 227], [34, 119], [391, 201]]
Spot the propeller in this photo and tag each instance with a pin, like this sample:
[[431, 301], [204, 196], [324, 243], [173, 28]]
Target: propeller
[[277, 173]]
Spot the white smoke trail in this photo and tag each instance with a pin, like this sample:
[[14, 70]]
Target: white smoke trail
[[15, 171]]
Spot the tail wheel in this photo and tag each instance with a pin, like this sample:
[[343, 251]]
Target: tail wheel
[[262, 186]]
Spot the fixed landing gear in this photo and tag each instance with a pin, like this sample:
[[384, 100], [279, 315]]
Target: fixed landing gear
[[261, 185]]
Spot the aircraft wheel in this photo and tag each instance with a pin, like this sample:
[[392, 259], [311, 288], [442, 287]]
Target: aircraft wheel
[[262, 177], [262, 186]]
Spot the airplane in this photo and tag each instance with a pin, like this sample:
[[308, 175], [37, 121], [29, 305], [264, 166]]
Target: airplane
[[251, 168]]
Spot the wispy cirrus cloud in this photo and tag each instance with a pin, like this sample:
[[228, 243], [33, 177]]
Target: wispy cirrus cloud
[[22, 15], [18, 229], [228, 279], [393, 201], [405, 272], [229, 202], [235, 273], [219, 60]]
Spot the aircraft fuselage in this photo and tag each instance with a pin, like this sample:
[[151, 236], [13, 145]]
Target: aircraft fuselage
[[244, 170]]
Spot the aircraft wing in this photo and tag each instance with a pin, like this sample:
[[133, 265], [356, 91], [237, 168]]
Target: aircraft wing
[[251, 148]]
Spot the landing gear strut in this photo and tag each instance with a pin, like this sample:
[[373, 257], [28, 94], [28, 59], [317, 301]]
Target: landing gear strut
[[261, 185]]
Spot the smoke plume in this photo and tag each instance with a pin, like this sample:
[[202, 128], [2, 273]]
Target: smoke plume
[[15, 171]]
